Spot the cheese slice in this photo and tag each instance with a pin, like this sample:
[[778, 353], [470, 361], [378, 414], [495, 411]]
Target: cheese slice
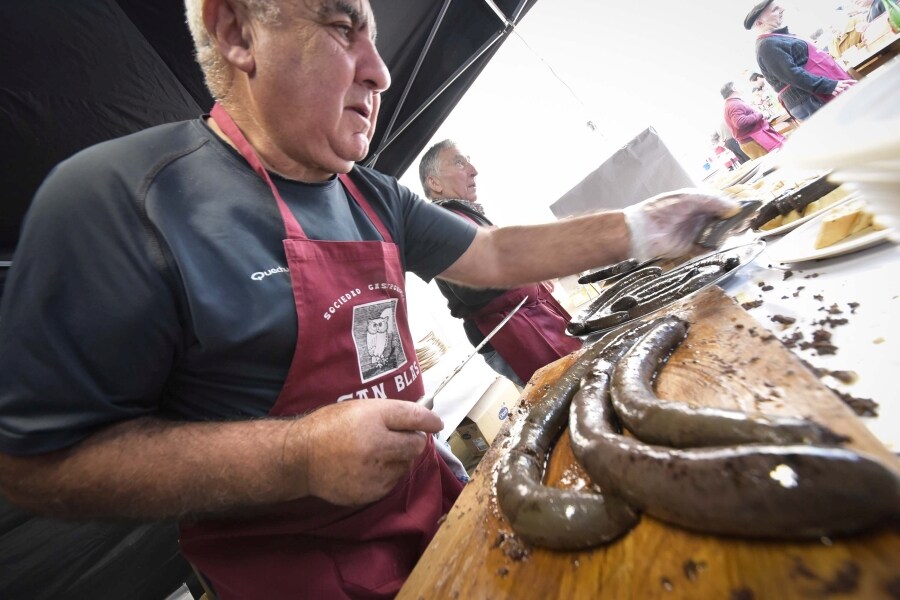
[[776, 222], [792, 216], [843, 222]]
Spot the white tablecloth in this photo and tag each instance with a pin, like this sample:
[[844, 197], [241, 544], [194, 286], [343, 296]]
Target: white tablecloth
[[868, 344]]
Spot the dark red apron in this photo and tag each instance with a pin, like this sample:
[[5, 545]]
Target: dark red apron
[[535, 335], [353, 341], [819, 63]]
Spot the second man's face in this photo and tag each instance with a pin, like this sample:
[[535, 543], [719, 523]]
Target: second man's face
[[457, 175]]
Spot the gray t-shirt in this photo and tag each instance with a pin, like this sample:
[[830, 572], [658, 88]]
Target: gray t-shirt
[[150, 279]]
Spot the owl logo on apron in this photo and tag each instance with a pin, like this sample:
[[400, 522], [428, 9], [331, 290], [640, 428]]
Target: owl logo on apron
[[378, 346]]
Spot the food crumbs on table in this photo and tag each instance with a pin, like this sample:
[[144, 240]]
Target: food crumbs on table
[[821, 343], [847, 377], [892, 588], [767, 288], [752, 304], [666, 583], [502, 571], [791, 340], [784, 320], [853, 306], [846, 580], [863, 407], [819, 297], [831, 322], [692, 569], [788, 274], [742, 594], [878, 340]]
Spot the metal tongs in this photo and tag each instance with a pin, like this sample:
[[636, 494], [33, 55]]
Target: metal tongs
[[428, 400], [711, 236]]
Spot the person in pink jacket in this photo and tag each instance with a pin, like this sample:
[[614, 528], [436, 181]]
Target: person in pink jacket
[[749, 126]]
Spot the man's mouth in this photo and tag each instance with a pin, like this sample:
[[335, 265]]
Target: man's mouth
[[361, 109]]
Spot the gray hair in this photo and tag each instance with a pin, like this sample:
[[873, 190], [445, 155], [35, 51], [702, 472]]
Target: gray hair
[[215, 69], [428, 166], [727, 90]]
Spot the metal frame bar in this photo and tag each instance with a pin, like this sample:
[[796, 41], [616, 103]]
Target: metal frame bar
[[434, 29], [387, 141], [508, 27]]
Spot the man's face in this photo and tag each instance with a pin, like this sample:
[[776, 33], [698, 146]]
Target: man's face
[[771, 17], [317, 82], [457, 175]]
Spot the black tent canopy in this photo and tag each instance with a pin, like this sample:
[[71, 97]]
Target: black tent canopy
[[78, 73]]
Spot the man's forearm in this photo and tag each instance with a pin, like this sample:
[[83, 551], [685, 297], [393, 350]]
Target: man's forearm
[[149, 468], [511, 256]]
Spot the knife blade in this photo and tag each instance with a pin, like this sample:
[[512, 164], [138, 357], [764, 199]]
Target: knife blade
[[428, 400]]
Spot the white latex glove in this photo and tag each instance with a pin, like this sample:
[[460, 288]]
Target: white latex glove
[[666, 226]]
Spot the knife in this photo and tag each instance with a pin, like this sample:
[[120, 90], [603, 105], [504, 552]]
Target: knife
[[428, 400]]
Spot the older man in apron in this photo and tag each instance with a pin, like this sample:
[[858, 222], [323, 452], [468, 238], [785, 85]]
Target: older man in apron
[[805, 77], [205, 322]]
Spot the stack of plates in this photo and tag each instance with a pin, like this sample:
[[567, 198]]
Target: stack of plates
[[858, 136], [429, 350]]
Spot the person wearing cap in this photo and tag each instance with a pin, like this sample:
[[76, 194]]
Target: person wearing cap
[[804, 77], [535, 335], [750, 127]]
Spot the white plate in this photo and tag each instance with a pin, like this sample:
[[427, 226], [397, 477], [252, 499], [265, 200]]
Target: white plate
[[794, 224], [799, 246]]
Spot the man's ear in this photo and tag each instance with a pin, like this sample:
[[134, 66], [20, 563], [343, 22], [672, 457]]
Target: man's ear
[[434, 184], [229, 27]]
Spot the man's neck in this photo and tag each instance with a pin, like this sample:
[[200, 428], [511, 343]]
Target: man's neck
[[768, 30], [280, 165], [471, 204]]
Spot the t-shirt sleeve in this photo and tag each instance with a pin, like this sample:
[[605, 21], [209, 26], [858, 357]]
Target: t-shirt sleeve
[[432, 238], [89, 319]]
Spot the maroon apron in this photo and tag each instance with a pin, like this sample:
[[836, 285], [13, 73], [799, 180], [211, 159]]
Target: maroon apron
[[819, 63], [353, 341], [535, 335]]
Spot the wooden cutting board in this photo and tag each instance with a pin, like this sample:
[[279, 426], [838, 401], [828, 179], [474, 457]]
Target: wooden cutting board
[[727, 360]]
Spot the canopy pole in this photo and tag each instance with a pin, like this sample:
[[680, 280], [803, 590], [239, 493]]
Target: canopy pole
[[439, 91], [412, 78]]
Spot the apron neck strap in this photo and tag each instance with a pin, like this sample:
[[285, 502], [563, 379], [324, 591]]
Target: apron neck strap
[[367, 208], [232, 131], [291, 225]]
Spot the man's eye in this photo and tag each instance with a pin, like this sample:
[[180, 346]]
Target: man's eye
[[345, 30]]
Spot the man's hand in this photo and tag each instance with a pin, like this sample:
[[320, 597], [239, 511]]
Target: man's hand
[[843, 85], [354, 452], [667, 225]]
